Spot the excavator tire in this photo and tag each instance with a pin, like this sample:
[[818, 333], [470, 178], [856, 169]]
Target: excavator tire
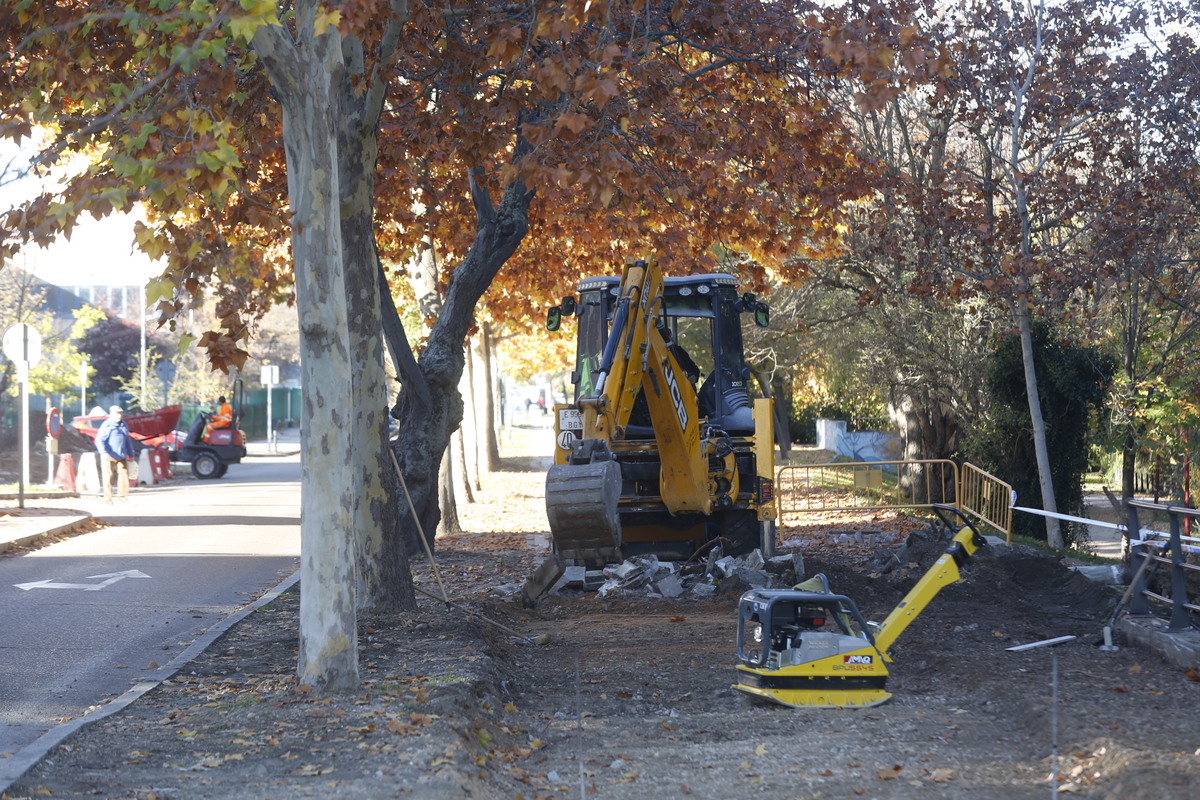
[[581, 504]]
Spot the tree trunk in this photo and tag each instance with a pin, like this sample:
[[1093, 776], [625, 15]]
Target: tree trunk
[[929, 430], [1133, 333], [458, 447], [490, 452], [1053, 532], [446, 500], [468, 432], [306, 72], [420, 408], [425, 431], [1129, 448], [385, 581]]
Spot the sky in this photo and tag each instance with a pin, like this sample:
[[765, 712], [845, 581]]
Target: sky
[[98, 253]]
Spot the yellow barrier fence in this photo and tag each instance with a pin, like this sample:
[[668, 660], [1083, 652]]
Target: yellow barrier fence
[[859, 486], [987, 498]]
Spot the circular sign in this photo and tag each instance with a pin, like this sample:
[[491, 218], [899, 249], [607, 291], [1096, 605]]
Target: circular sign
[[54, 423], [23, 344], [565, 440]]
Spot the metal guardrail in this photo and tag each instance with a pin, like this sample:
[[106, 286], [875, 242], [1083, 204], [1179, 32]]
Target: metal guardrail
[[1154, 548], [874, 485]]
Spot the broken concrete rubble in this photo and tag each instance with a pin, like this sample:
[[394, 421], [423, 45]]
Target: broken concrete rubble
[[670, 585], [788, 562], [647, 576]]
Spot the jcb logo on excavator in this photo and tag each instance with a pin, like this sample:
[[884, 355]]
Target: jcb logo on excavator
[[677, 398]]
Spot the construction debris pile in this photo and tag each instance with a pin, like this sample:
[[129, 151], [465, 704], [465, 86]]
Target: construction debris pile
[[881, 553], [647, 576]]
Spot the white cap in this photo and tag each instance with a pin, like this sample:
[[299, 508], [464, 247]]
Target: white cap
[[115, 409]]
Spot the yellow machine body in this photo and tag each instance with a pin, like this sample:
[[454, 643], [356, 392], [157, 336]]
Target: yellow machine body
[[810, 648], [853, 679]]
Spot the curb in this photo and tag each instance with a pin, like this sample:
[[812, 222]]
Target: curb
[[1181, 648], [14, 768], [66, 527]]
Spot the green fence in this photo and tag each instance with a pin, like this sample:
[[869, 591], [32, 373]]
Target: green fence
[[285, 411]]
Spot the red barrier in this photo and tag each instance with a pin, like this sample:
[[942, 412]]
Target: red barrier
[[160, 464], [64, 478]]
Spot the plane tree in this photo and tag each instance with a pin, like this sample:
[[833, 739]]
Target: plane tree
[[1147, 307], [288, 152], [634, 131]]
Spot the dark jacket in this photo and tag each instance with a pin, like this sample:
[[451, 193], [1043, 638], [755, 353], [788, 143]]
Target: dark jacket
[[113, 440]]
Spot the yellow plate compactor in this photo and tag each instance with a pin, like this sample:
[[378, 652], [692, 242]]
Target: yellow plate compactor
[[809, 648]]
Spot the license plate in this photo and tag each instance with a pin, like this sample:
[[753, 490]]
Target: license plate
[[570, 419]]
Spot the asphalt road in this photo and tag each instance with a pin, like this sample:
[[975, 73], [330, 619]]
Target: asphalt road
[[84, 619]]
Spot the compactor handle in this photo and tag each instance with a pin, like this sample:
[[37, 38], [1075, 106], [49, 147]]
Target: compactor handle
[[941, 509]]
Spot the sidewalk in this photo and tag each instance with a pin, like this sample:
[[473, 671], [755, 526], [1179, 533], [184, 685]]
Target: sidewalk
[[40, 517], [52, 512], [287, 443]]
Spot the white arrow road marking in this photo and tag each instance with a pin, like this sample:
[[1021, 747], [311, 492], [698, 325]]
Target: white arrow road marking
[[109, 579]]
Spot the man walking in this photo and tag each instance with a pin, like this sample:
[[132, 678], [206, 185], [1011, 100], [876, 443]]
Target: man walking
[[115, 446]]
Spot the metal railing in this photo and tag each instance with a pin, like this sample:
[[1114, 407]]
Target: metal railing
[[1152, 549], [986, 497], [863, 486]]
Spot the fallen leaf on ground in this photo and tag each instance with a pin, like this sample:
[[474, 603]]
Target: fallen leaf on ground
[[310, 770], [891, 773]]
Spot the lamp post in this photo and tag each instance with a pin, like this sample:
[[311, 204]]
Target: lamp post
[[83, 368]]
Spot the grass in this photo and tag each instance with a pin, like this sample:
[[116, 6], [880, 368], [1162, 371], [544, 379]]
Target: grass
[[1070, 552], [234, 705], [1094, 483]]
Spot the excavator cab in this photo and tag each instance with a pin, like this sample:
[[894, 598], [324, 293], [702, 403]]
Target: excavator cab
[[663, 447], [701, 321]]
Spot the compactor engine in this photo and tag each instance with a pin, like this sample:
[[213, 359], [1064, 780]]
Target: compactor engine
[[664, 447]]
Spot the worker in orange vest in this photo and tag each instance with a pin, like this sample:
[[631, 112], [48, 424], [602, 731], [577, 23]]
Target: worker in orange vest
[[223, 418]]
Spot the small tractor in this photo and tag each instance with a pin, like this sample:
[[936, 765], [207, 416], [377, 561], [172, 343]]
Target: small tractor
[[225, 446]]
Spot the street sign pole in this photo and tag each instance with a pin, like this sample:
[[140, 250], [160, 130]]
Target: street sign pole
[[23, 346], [49, 449], [83, 368], [269, 376], [53, 431], [23, 379]]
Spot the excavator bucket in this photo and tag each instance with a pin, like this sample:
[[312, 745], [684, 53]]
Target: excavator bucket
[[581, 503]]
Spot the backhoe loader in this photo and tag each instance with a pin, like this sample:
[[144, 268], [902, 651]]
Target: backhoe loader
[[662, 450]]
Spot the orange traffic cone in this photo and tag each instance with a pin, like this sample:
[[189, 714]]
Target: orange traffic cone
[[64, 478]]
